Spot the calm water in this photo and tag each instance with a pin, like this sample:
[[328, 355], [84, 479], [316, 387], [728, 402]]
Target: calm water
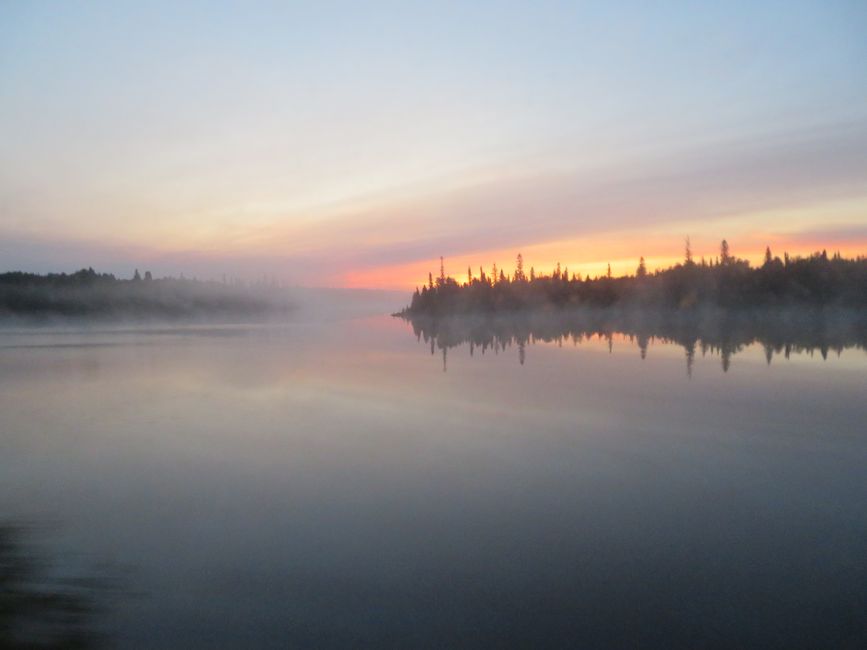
[[328, 485]]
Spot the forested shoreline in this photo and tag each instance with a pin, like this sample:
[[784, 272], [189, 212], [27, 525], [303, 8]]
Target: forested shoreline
[[88, 294], [725, 282]]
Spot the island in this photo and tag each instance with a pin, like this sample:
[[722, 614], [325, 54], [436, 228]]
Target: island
[[721, 306]]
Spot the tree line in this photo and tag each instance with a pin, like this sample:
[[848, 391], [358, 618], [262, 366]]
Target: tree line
[[725, 281], [87, 293]]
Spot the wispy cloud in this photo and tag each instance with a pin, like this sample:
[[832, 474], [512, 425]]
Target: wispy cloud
[[690, 190], [629, 204]]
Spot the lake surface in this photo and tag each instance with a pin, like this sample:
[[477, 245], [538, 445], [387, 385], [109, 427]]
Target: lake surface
[[327, 484]]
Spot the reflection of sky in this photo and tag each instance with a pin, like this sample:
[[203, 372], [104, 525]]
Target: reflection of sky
[[346, 145], [263, 485]]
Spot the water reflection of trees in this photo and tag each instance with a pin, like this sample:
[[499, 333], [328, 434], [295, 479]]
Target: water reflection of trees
[[718, 332], [41, 606]]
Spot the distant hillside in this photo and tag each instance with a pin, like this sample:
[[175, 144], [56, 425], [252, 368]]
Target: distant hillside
[[87, 293]]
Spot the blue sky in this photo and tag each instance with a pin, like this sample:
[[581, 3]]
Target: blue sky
[[341, 143]]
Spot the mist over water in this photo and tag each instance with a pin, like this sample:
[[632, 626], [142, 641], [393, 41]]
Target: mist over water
[[320, 482]]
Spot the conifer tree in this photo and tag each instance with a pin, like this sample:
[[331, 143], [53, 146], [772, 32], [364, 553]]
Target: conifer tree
[[519, 268]]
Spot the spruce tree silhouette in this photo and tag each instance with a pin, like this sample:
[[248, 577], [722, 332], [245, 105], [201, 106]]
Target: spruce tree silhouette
[[726, 282]]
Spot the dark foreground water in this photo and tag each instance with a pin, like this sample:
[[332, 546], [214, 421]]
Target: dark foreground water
[[327, 485]]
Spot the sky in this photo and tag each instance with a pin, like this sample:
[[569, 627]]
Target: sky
[[352, 144]]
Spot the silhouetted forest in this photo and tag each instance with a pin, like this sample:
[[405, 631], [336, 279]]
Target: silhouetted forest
[[710, 331], [87, 293], [723, 282]]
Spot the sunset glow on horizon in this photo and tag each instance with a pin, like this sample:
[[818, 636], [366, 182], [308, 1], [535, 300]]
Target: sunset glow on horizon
[[414, 275], [348, 147]]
